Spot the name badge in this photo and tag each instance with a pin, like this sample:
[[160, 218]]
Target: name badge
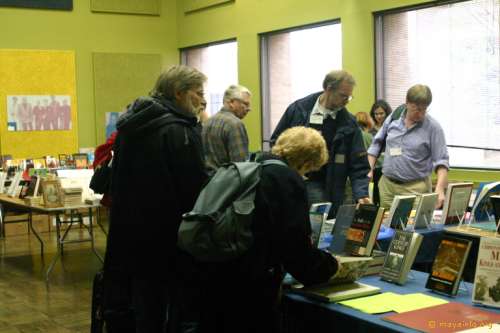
[[395, 151], [340, 158], [316, 119]]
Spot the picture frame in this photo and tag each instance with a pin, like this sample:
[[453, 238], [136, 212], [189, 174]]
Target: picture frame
[[41, 4], [52, 193]]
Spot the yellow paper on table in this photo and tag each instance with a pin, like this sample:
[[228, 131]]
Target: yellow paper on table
[[374, 304], [416, 301]]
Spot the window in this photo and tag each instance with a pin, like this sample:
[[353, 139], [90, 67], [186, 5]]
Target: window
[[219, 62], [293, 65], [454, 49]]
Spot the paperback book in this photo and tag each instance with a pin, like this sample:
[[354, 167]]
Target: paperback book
[[425, 210], [400, 211], [362, 234], [318, 214], [400, 256], [487, 279], [482, 210], [456, 202], [448, 265]]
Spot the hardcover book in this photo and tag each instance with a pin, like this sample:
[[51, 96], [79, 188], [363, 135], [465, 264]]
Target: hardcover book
[[448, 265], [482, 209], [400, 256], [445, 318], [343, 284], [400, 211], [456, 202], [345, 216], [81, 161], [362, 234], [425, 210], [487, 279], [495, 204]]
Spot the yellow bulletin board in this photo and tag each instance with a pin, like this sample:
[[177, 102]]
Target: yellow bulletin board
[[37, 72]]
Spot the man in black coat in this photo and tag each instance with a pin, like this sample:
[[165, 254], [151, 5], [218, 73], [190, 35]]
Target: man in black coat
[[326, 111], [158, 171]]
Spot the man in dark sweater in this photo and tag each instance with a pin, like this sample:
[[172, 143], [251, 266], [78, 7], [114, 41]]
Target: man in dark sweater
[[326, 111]]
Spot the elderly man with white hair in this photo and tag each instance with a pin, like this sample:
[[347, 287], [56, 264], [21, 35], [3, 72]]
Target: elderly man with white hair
[[224, 135]]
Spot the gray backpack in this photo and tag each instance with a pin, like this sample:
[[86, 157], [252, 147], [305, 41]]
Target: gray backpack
[[218, 228]]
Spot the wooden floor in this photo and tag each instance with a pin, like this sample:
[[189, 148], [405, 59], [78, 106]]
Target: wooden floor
[[29, 304]]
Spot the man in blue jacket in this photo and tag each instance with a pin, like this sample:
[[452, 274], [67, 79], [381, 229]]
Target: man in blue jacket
[[326, 112]]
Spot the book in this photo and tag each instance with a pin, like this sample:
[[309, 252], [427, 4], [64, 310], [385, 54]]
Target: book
[[400, 256], [317, 217], [448, 265], [14, 183], [487, 278], [456, 202], [425, 210], [362, 233], [343, 284], [400, 211], [33, 187], [482, 209], [375, 266], [81, 161], [3, 178], [445, 318], [345, 216]]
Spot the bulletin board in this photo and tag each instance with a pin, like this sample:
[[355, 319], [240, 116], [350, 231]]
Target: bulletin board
[[144, 7], [193, 5], [119, 78], [37, 72]]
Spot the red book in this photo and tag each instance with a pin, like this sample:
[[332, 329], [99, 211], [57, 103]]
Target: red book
[[444, 318]]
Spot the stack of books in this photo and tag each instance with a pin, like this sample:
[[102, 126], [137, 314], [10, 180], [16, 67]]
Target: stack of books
[[72, 196]]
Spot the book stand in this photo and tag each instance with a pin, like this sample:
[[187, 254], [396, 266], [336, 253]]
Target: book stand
[[461, 218], [410, 276], [463, 287], [427, 224]]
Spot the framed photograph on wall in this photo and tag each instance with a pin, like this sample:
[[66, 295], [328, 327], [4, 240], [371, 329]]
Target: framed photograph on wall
[[52, 193], [44, 4]]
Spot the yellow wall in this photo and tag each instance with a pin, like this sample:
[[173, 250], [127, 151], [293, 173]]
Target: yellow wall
[[245, 19], [85, 32]]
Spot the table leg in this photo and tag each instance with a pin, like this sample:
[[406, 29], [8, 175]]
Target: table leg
[[91, 232], [2, 225], [30, 226], [59, 247]]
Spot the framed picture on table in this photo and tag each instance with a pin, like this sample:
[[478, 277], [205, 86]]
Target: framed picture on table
[[52, 193]]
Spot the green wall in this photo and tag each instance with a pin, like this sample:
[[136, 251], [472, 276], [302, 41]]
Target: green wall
[[245, 19], [86, 32]]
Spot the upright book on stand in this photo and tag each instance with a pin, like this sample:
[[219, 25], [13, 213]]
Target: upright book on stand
[[362, 234], [495, 203], [481, 209], [400, 256], [425, 210], [345, 216], [456, 202], [487, 279], [318, 214], [400, 211], [448, 265]]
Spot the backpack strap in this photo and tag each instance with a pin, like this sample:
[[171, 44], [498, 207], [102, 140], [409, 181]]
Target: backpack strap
[[395, 115], [273, 162]]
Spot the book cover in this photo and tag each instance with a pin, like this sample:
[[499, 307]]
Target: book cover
[[487, 279], [482, 209], [317, 217], [345, 216], [362, 234], [445, 318], [81, 161], [33, 187], [448, 265], [495, 204], [456, 202], [425, 210], [400, 211], [400, 256]]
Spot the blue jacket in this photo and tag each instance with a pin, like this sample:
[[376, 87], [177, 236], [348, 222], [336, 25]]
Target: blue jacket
[[348, 156]]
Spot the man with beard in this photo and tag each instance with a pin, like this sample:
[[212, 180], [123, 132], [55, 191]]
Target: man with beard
[[157, 173]]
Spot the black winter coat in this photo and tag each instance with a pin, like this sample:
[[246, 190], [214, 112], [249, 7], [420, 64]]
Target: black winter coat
[[158, 171], [348, 156]]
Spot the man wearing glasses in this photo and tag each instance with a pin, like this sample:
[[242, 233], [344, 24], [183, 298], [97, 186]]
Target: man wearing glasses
[[415, 146], [326, 111], [224, 135]]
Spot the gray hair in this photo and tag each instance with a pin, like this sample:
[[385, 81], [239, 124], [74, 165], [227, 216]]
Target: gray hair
[[176, 79], [235, 92], [336, 77], [419, 94]]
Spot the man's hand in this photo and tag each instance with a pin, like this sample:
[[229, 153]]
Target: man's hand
[[365, 200], [370, 174], [440, 200]]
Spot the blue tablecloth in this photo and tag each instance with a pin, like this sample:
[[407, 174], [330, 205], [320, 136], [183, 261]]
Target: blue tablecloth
[[304, 315]]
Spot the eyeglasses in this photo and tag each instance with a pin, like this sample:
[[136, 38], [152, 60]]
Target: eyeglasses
[[345, 97], [245, 103]]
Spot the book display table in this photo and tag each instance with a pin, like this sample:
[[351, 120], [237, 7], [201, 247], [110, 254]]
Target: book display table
[[304, 315], [60, 213]]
